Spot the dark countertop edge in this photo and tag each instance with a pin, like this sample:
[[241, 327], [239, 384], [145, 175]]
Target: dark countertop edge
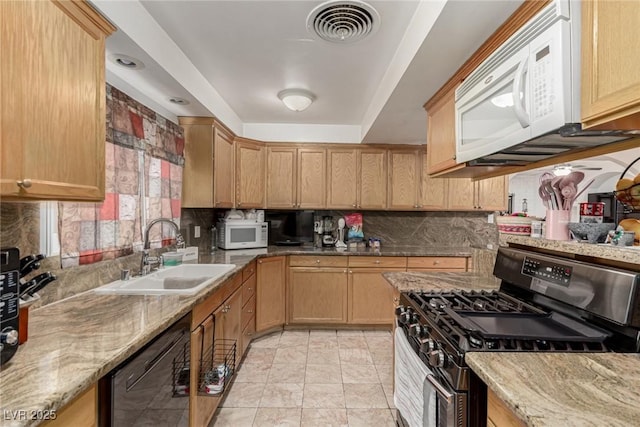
[[81, 384]]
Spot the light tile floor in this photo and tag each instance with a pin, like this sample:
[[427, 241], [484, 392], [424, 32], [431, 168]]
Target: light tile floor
[[313, 378]]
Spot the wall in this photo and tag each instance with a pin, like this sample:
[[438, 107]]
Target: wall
[[466, 229]]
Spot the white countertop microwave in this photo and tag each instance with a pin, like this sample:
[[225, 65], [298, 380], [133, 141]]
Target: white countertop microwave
[[242, 234], [527, 90]]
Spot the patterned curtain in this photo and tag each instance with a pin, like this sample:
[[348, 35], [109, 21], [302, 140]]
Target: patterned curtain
[[144, 162]]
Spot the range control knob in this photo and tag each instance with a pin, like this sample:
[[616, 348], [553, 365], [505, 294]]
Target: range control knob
[[428, 346], [409, 317], [437, 359], [9, 336], [400, 310], [416, 330]]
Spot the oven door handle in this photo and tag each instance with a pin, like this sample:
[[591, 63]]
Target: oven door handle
[[439, 389]]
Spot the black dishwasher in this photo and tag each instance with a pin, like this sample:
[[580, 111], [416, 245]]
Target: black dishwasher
[[152, 386]]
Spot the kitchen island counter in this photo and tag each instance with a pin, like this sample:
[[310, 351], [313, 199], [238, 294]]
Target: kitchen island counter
[[74, 342], [564, 389]]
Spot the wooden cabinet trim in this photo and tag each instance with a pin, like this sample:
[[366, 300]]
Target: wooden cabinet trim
[[80, 412], [377, 261], [499, 414]]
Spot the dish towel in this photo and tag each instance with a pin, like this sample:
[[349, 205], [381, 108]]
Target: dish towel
[[413, 395]]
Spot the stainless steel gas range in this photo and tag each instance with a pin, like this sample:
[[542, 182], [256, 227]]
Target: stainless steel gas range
[[544, 304]]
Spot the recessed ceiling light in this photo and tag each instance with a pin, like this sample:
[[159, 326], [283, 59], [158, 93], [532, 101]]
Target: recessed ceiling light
[[125, 61], [179, 101]]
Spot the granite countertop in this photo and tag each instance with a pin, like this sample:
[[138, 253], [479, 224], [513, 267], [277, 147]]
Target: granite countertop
[[421, 281], [74, 342], [627, 254], [564, 389]]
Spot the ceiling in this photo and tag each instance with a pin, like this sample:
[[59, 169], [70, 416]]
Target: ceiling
[[229, 59]]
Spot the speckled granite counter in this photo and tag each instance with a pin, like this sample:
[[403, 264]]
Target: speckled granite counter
[[407, 282], [629, 254], [598, 389], [74, 342]]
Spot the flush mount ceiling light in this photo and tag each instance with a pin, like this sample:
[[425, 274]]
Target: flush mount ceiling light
[[562, 170], [343, 21], [296, 99], [179, 101], [125, 61]]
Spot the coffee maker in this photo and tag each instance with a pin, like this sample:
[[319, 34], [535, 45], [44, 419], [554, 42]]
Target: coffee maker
[[327, 231]]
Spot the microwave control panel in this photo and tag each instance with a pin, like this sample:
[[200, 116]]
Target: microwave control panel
[[542, 83], [547, 271]]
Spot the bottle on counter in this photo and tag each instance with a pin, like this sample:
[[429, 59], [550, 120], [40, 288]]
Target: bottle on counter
[[214, 238]]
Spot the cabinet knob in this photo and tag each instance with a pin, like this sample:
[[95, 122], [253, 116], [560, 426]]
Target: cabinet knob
[[344, 271], [249, 334], [395, 299], [317, 261], [24, 183], [260, 262], [436, 262], [239, 204], [350, 271], [377, 261], [248, 289], [354, 205], [249, 311], [293, 205]]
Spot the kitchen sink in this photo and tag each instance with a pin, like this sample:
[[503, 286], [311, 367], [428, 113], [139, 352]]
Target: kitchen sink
[[184, 279]]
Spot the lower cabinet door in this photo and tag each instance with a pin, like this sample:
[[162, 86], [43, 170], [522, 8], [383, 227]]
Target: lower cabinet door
[[317, 295], [201, 407], [270, 293], [370, 296]]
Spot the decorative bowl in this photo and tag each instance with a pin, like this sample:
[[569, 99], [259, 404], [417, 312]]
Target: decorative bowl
[[591, 232]]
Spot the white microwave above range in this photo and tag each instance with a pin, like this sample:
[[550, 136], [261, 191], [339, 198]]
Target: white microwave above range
[[522, 104], [242, 234]]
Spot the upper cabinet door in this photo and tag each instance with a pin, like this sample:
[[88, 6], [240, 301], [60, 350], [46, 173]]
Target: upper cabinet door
[[223, 170], [52, 109], [461, 194], [610, 64], [250, 174], [433, 191], [197, 176], [281, 178], [441, 133], [341, 179], [404, 175], [492, 194], [312, 178], [372, 174]]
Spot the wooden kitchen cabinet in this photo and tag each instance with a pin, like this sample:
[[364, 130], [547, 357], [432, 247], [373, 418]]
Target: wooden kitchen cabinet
[[201, 407], [498, 414], [317, 295], [52, 109], [81, 412], [249, 283], [356, 178], [485, 195], [223, 168], [610, 79], [342, 185], [209, 170], [296, 177], [404, 179], [370, 296], [436, 264], [270, 293], [433, 191], [441, 132], [250, 174]]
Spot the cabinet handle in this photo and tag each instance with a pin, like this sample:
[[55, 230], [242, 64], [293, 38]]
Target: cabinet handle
[[260, 262], [248, 289], [354, 205], [350, 271], [317, 261], [344, 271], [24, 183], [377, 261], [436, 262]]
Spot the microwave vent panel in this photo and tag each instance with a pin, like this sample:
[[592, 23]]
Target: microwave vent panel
[[343, 22], [536, 26]]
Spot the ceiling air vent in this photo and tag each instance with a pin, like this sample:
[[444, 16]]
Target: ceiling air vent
[[340, 21]]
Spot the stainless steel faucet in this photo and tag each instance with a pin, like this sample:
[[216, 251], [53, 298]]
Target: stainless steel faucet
[[147, 261]]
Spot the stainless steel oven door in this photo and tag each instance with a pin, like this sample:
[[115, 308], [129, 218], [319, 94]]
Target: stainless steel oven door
[[451, 405]]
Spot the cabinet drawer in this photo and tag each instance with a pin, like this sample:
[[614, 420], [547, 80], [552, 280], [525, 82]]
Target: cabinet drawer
[[248, 311], [318, 261], [248, 289], [378, 261], [458, 263], [249, 271]]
